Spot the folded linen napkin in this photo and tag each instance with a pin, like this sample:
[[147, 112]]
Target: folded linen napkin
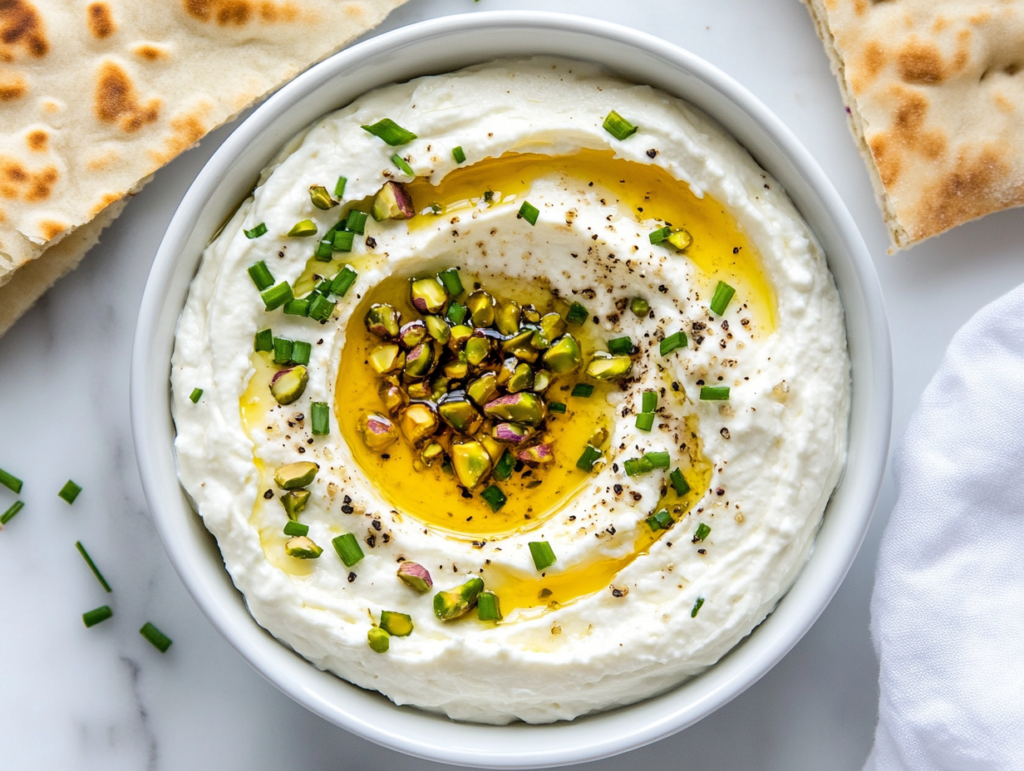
[[948, 606]]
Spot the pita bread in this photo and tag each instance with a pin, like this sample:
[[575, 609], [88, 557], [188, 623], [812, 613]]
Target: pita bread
[[96, 96], [935, 93]]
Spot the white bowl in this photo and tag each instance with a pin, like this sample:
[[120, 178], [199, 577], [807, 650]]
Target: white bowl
[[435, 47]]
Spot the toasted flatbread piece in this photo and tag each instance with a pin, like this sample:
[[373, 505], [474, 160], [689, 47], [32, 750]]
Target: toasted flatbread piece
[[96, 96], [935, 93]]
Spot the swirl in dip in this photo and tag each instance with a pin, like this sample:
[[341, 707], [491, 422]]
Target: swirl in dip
[[550, 430]]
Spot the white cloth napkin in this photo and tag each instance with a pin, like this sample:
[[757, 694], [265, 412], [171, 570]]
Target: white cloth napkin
[[948, 606]]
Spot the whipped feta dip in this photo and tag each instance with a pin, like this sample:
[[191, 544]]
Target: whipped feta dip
[[752, 407]]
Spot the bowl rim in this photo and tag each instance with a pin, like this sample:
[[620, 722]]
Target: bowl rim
[[469, 744]]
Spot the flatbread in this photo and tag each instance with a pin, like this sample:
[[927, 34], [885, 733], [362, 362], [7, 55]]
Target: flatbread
[[935, 95], [96, 96]]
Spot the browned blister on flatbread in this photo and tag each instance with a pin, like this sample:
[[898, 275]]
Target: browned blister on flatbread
[[97, 95], [935, 91]]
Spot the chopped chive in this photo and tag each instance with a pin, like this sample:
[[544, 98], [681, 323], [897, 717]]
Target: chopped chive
[[620, 345], [488, 196], [356, 221], [390, 132], [660, 234], [303, 229], [348, 549], [277, 296], [92, 566], [487, 607], [679, 483], [495, 497], [528, 212], [296, 529], [343, 240], [10, 481], [590, 456], [636, 466], [301, 352], [582, 390], [264, 340], [714, 393], [458, 154], [503, 468], [672, 342], [639, 306], [618, 127], [261, 275], [339, 187], [320, 309], [98, 615], [452, 281], [404, 167], [282, 350], [556, 407], [457, 313], [661, 520], [723, 294], [321, 412], [70, 490], [702, 532], [343, 281], [577, 314], [325, 249], [159, 640], [658, 459], [696, 607], [297, 307], [542, 553], [194, 397], [257, 231], [645, 421], [650, 401], [8, 515], [323, 288]]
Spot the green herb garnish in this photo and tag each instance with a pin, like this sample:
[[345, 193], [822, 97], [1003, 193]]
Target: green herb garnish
[[577, 314], [321, 415], [582, 390], [620, 345], [459, 155], [723, 294], [96, 616], [528, 212], [679, 483], [8, 515], [672, 342], [159, 640], [618, 127], [301, 352], [70, 490], [495, 497], [277, 296], [92, 566], [645, 421], [590, 456], [702, 532], [542, 553], [714, 393], [348, 549], [10, 481], [404, 167], [264, 340], [257, 231], [390, 132], [261, 275], [696, 607]]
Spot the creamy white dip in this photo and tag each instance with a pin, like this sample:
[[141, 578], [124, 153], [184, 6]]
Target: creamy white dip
[[777, 446]]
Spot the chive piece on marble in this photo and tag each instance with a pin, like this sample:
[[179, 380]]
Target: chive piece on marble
[[8, 515], [10, 481], [159, 640], [93, 617], [92, 566], [70, 490]]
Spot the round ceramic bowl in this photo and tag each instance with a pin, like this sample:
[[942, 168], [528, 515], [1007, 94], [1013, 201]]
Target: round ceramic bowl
[[436, 47]]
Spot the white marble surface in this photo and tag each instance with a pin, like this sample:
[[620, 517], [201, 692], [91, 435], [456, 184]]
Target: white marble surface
[[72, 698]]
